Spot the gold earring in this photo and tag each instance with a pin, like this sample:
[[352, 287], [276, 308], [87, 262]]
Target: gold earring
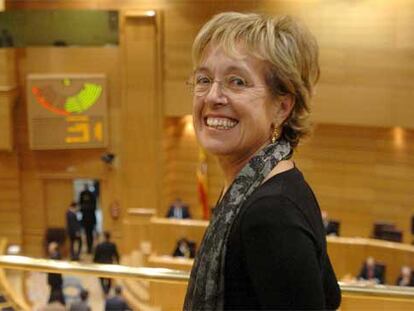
[[275, 135]]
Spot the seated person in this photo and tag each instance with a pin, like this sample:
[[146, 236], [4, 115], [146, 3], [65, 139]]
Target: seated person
[[185, 248], [331, 227], [406, 277], [372, 271], [178, 209]]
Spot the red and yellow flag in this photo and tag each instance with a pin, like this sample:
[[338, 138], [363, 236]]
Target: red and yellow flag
[[202, 188]]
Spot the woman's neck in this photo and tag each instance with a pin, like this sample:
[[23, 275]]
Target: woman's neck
[[231, 169], [230, 172]]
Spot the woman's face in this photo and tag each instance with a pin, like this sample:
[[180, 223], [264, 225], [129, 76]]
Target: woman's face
[[232, 108]]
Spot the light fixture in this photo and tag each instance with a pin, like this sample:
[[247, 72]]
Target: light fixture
[[150, 13]]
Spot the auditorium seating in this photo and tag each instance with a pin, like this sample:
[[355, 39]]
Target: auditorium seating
[[346, 254]]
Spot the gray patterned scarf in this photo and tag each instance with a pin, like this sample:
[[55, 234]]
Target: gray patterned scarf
[[206, 285]]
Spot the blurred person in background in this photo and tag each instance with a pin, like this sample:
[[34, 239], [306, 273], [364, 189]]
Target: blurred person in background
[[55, 280], [117, 302], [372, 271], [73, 227], [106, 252], [406, 278], [178, 209], [87, 202], [82, 304]]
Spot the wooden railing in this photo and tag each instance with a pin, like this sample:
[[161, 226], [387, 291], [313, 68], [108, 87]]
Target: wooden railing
[[12, 298], [167, 281]]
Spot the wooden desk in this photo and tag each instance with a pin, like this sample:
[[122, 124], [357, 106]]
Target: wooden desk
[[348, 254]]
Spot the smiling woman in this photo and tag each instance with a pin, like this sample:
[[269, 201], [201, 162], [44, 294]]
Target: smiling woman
[[265, 247]]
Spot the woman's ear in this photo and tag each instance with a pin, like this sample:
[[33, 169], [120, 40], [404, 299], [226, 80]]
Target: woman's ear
[[285, 106]]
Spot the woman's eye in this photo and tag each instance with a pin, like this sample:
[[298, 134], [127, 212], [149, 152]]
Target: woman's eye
[[237, 82], [203, 80]]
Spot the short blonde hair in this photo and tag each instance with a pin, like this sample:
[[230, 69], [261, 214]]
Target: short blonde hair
[[288, 47]]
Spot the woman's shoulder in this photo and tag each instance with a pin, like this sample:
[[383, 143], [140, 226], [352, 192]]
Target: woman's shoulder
[[287, 187], [283, 200]]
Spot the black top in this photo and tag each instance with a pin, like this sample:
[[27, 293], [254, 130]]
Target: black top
[[106, 252], [73, 225], [87, 203], [276, 252]]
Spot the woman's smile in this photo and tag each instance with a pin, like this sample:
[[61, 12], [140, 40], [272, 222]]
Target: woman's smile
[[220, 123]]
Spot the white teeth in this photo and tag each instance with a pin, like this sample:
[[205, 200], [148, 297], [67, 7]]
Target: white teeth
[[221, 123]]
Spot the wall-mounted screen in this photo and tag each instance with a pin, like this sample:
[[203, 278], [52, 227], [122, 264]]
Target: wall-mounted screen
[[67, 111]]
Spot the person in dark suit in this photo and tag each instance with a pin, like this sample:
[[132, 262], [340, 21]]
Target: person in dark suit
[[178, 209], [107, 253], [185, 248], [331, 227], [55, 280], [117, 302], [87, 202], [372, 271], [73, 227], [406, 278]]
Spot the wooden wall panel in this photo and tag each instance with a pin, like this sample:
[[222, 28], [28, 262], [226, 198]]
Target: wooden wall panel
[[141, 111], [359, 174], [365, 53], [58, 194], [7, 101], [10, 208]]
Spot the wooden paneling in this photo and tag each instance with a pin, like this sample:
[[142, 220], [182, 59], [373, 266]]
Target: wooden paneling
[[58, 194], [366, 302], [136, 230], [168, 296], [7, 100], [165, 232], [348, 254], [365, 54], [10, 208], [359, 174], [141, 111], [8, 78]]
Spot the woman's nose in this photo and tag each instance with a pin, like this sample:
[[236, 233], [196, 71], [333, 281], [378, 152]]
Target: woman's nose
[[215, 94]]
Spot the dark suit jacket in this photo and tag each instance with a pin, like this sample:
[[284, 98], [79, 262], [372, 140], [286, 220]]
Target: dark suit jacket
[[55, 280], [73, 225], [185, 213], [332, 228], [106, 252], [87, 203], [116, 303], [379, 273]]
